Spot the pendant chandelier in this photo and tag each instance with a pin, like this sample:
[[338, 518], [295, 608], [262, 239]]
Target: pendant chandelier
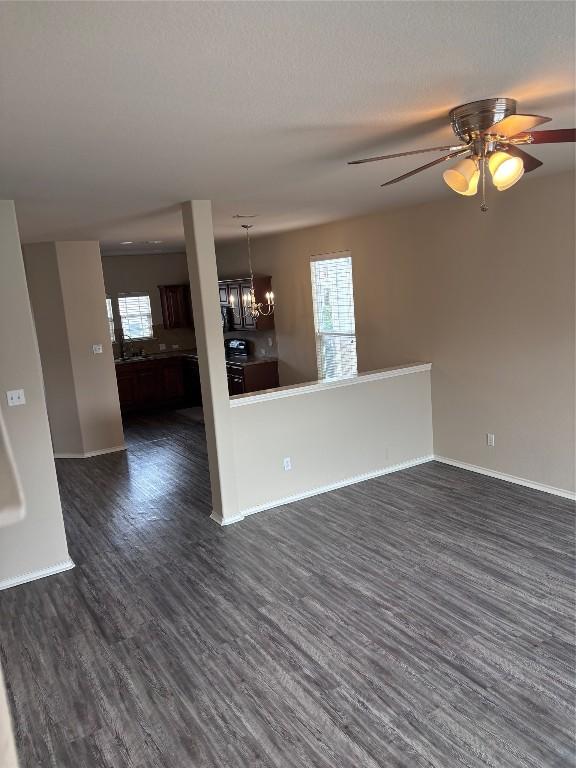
[[251, 308]]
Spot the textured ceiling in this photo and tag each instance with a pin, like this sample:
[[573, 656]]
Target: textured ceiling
[[114, 112]]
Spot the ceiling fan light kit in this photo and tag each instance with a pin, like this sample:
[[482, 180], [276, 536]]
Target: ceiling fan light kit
[[463, 177], [506, 170], [491, 132]]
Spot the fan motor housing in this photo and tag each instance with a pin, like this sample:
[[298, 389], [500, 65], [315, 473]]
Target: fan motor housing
[[470, 120]]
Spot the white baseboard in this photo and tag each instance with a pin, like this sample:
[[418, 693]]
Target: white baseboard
[[226, 520], [387, 470], [507, 478], [89, 454], [33, 575], [334, 486]]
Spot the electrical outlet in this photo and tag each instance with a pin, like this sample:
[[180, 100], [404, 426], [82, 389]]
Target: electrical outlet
[[270, 341], [16, 397], [490, 439], [175, 346], [161, 347], [287, 464], [96, 349]]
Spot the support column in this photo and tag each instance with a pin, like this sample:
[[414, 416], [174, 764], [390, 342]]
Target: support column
[[199, 235], [35, 546], [68, 299]]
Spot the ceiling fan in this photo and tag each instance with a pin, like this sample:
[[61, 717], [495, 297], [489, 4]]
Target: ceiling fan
[[491, 133]]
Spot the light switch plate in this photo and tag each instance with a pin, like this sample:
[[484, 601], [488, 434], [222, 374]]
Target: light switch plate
[[16, 397], [96, 349]]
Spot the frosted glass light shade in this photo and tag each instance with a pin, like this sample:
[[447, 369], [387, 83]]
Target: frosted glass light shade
[[502, 187], [506, 169], [460, 177], [473, 185]]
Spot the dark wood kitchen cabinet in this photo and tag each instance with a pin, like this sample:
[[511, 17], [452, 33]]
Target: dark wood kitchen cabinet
[[176, 306], [191, 371], [235, 290], [151, 383], [251, 377], [174, 381], [171, 380]]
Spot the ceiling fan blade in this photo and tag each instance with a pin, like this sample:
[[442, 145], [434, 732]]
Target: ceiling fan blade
[[514, 124], [530, 162], [461, 151], [404, 154], [545, 137]]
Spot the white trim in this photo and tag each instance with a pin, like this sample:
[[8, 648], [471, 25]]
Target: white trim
[[385, 471], [318, 386], [508, 478], [334, 486], [331, 255], [89, 454], [227, 520], [33, 575]]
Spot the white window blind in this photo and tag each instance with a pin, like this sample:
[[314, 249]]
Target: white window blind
[[333, 299], [135, 315], [110, 318]]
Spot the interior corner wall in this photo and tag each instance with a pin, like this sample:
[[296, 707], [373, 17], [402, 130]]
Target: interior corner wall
[[82, 281], [488, 298], [38, 542], [67, 293], [44, 289]]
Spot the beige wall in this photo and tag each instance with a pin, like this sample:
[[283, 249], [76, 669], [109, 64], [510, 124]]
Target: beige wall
[[201, 258], [45, 292], [38, 542], [487, 298], [68, 299], [332, 436], [131, 273]]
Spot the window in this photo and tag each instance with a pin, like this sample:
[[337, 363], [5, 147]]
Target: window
[[333, 298], [135, 315], [110, 318]]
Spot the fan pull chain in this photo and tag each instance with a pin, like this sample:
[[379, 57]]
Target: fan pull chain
[[483, 206]]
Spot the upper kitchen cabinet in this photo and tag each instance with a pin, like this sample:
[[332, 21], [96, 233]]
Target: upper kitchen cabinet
[[231, 295], [176, 306]]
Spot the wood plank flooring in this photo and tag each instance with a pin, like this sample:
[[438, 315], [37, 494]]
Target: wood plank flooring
[[422, 619]]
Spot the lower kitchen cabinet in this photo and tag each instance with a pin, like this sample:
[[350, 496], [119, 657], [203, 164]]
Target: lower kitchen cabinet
[[192, 387], [175, 381], [127, 388], [251, 377], [150, 383], [172, 380]]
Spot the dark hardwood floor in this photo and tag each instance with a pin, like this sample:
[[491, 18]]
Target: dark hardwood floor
[[422, 619]]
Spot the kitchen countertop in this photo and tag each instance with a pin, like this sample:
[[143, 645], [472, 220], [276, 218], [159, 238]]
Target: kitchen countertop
[[249, 360], [243, 360], [157, 356]]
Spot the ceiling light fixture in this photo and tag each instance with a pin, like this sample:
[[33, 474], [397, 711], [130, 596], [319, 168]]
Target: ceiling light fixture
[[491, 133], [463, 177], [505, 169], [154, 242], [250, 306], [127, 242]]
